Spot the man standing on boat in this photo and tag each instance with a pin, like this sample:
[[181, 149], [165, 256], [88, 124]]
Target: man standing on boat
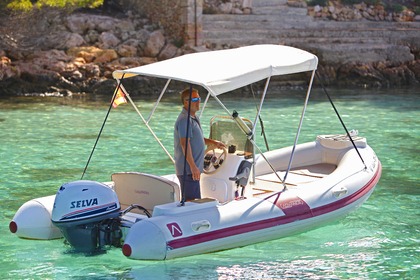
[[191, 151]]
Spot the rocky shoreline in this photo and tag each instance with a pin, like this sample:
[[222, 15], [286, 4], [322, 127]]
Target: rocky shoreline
[[62, 54], [79, 52]]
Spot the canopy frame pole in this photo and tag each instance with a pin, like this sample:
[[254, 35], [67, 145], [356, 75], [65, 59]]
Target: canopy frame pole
[[158, 100], [308, 92], [261, 122], [218, 101], [267, 82], [248, 132], [258, 115], [147, 125], [268, 162], [204, 104]]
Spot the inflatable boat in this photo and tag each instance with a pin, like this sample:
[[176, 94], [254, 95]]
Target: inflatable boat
[[248, 195]]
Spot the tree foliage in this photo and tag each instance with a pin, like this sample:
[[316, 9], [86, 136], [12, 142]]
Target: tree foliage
[[28, 5]]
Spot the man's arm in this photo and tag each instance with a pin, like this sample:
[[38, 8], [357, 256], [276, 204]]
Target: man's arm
[[214, 143]]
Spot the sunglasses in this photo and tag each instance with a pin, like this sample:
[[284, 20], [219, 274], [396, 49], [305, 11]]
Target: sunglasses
[[195, 99]]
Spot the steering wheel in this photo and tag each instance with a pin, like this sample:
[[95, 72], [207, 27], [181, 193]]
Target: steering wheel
[[212, 161]]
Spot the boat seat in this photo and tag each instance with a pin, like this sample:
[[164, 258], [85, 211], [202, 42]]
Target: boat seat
[[217, 189], [143, 189]]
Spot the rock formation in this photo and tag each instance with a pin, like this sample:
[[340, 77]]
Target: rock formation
[[57, 53], [78, 53]]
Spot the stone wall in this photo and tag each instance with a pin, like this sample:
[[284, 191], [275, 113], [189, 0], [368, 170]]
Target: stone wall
[[334, 10], [181, 19], [227, 6], [338, 12]]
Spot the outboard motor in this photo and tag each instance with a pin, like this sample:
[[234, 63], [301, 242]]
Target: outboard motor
[[87, 213]]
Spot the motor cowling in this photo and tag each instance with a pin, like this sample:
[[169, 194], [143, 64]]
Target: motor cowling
[[87, 213]]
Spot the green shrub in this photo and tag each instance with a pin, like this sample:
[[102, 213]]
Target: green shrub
[[27, 5], [317, 2], [344, 2], [367, 2], [397, 8]]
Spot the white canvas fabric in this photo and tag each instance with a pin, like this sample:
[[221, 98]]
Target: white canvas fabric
[[224, 70]]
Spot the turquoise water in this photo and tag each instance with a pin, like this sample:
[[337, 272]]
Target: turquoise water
[[46, 142]]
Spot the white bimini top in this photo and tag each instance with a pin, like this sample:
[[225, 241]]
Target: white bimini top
[[225, 70]]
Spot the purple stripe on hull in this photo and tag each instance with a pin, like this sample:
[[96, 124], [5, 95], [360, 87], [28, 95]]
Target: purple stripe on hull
[[294, 208]]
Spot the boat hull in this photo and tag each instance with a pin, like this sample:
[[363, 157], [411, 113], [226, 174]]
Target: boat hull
[[208, 225], [178, 231]]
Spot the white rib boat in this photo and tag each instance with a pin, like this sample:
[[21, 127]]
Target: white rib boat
[[248, 195]]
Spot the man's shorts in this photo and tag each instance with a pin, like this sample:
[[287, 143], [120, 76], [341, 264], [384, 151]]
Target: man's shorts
[[191, 188]]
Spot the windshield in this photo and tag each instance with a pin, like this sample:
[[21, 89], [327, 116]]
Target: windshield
[[225, 129]]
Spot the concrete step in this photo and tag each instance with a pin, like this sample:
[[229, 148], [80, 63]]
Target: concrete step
[[251, 25], [275, 7], [345, 53], [339, 53], [276, 39], [280, 10], [265, 3], [335, 35], [263, 21], [251, 17]]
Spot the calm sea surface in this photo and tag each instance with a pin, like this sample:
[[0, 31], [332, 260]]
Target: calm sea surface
[[46, 142]]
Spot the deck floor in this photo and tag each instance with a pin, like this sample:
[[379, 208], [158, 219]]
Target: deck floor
[[270, 183]]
